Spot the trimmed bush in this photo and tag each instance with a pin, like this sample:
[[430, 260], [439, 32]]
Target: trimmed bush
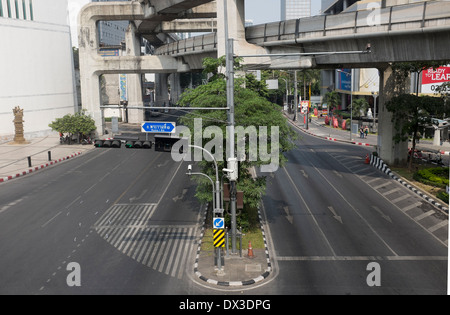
[[437, 177], [443, 196]]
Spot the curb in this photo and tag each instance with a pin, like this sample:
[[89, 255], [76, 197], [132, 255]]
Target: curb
[[379, 163], [330, 138], [37, 168], [232, 283]]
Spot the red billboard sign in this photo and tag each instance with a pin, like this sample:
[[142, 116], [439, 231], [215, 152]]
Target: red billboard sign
[[431, 79]]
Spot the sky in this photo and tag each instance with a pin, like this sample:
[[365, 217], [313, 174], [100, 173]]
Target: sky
[[260, 11]]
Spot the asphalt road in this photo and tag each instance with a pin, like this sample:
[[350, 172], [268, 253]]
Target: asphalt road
[[330, 215], [129, 220], [102, 211]]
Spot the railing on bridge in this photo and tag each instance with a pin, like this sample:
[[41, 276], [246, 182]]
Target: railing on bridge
[[401, 19]]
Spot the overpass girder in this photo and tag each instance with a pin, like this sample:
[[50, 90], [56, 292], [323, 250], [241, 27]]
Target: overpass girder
[[138, 64], [187, 25], [176, 6]]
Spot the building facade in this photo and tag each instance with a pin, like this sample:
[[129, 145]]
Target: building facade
[[295, 9], [37, 71], [111, 33]]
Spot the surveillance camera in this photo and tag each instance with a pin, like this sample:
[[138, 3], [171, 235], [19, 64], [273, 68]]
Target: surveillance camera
[[369, 47], [189, 167], [227, 170]]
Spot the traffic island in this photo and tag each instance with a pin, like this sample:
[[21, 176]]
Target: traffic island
[[236, 270]]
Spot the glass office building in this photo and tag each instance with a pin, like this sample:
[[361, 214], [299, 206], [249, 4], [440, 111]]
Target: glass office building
[[295, 9]]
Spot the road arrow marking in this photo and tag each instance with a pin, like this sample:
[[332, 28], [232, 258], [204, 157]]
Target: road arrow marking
[[304, 174], [133, 199], [337, 217], [386, 217], [176, 198], [164, 164], [289, 216]]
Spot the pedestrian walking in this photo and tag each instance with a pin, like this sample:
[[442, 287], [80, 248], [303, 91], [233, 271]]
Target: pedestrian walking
[[361, 132], [366, 132]]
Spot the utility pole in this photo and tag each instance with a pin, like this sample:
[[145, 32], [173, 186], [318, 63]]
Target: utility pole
[[295, 96], [231, 158]]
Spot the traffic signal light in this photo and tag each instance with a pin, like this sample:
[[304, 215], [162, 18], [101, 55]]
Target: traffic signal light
[[138, 144], [117, 143], [164, 143], [108, 143]]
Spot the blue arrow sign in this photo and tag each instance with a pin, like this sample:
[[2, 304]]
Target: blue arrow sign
[[158, 126], [218, 223]]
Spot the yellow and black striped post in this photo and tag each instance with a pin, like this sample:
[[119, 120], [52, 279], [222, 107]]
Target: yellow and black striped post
[[219, 237]]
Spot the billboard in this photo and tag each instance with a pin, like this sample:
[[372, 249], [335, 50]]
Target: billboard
[[431, 79], [344, 79], [123, 87]]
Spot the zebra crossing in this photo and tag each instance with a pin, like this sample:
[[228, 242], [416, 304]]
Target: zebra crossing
[[164, 248]]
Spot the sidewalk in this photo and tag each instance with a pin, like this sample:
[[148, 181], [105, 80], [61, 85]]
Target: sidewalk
[[317, 128], [14, 158]]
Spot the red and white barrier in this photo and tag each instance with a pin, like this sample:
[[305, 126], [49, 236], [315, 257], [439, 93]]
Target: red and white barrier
[[37, 168]]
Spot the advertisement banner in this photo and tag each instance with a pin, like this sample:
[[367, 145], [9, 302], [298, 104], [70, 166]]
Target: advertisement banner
[[431, 79], [123, 87], [344, 80]]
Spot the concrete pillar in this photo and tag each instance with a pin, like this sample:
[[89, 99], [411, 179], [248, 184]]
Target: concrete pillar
[[134, 81], [175, 88], [92, 99], [437, 137], [161, 89], [89, 80], [390, 152], [236, 29]]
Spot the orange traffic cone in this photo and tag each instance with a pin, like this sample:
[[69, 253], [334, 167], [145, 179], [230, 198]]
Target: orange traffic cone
[[250, 250], [367, 159]]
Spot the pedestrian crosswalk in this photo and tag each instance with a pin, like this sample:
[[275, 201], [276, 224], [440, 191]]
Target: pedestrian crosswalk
[[164, 248]]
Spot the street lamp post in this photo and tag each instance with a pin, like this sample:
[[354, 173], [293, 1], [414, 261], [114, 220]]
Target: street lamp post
[[351, 103], [217, 206], [218, 210], [351, 98], [295, 96], [287, 95], [375, 95]]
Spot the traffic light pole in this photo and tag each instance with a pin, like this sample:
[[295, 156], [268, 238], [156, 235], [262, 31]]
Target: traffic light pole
[[231, 158], [217, 208]]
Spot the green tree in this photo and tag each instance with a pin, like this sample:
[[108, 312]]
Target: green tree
[[251, 109], [332, 99], [258, 86], [359, 105], [78, 124], [409, 112]]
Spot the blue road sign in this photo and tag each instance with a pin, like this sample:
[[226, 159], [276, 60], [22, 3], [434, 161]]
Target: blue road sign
[[158, 127], [218, 223]]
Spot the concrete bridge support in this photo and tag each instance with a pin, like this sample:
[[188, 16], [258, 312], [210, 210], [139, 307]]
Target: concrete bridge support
[[161, 89], [92, 65], [175, 87], [389, 151], [134, 81], [236, 31]]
